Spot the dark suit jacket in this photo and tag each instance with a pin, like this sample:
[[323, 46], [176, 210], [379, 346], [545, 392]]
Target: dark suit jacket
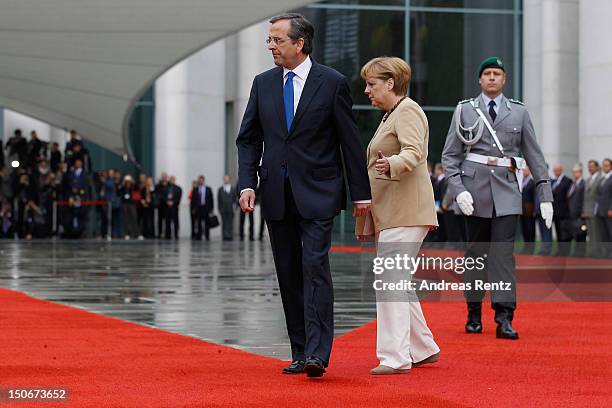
[[439, 188], [161, 190], [528, 193], [604, 197], [322, 134], [174, 193], [575, 198], [196, 199], [560, 205], [226, 201], [55, 160], [78, 184]]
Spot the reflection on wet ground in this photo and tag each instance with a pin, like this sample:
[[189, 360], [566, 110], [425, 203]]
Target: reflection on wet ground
[[223, 292]]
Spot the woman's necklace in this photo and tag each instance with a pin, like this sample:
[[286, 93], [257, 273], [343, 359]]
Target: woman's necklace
[[393, 108]]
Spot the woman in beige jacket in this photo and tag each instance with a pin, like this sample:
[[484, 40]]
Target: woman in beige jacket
[[403, 211]]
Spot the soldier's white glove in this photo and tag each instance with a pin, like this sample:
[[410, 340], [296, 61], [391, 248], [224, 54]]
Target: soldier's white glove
[[546, 209], [465, 202]]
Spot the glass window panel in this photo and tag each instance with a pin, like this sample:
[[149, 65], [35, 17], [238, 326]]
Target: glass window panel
[[346, 39], [446, 50], [485, 4], [365, 2], [367, 122], [439, 123]]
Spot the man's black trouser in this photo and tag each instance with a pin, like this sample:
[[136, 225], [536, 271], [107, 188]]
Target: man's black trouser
[[493, 240], [300, 247]]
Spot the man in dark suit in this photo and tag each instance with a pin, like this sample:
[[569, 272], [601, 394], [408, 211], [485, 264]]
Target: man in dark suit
[[37, 149], [588, 207], [528, 220], [439, 188], [302, 112], [78, 179], [603, 206], [55, 157], [203, 201], [560, 187], [173, 200], [161, 189], [227, 204], [575, 225], [243, 220], [77, 183]]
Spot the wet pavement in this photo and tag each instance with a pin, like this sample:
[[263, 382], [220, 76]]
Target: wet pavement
[[223, 292]]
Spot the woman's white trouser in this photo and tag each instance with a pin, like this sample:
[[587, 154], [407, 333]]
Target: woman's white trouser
[[402, 333]]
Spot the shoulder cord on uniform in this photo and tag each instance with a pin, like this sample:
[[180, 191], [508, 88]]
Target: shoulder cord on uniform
[[471, 140]]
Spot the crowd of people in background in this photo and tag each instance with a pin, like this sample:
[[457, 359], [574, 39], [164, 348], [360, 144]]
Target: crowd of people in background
[[45, 192], [33, 176], [582, 212]]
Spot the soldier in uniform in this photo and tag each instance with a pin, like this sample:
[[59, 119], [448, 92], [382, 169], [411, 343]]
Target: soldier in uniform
[[489, 140]]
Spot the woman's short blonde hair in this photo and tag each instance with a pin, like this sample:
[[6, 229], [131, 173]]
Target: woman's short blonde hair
[[389, 67]]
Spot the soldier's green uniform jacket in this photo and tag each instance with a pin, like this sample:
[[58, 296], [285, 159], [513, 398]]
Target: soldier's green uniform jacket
[[494, 186]]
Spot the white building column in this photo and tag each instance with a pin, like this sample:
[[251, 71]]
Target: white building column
[[532, 62], [595, 80], [551, 81], [3, 135], [190, 124], [249, 56]]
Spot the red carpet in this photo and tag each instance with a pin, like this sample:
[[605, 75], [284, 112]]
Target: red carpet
[[564, 358]]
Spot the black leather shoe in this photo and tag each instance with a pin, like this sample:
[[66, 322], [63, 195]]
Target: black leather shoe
[[474, 319], [505, 331], [296, 367], [473, 327], [314, 367]]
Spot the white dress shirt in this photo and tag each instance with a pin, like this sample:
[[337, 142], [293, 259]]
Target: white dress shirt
[[301, 74], [202, 190]]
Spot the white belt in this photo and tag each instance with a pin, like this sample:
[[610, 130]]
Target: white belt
[[489, 160], [503, 162]]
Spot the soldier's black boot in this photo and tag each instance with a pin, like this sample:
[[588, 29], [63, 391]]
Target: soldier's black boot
[[474, 319], [503, 318]]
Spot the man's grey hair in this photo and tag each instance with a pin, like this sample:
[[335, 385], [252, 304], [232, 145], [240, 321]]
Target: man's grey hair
[[300, 28]]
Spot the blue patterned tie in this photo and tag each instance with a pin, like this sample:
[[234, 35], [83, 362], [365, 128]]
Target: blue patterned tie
[[288, 97]]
